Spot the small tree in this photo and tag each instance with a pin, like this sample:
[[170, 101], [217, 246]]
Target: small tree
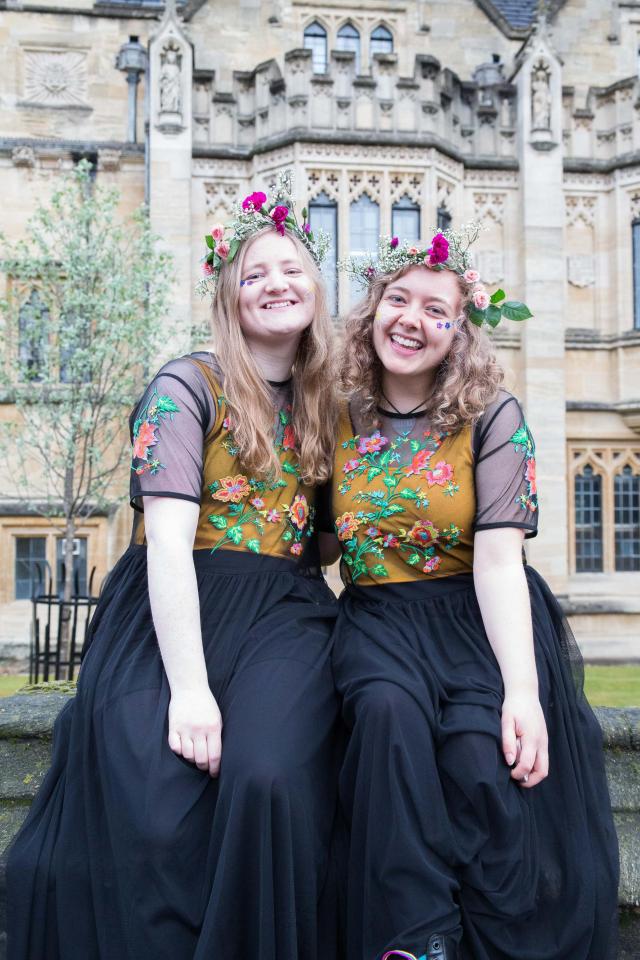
[[83, 316]]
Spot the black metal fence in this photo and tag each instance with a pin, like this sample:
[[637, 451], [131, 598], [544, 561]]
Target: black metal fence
[[59, 627]]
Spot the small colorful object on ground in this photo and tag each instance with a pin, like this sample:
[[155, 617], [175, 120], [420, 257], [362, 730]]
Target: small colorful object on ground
[[253, 214], [448, 250]]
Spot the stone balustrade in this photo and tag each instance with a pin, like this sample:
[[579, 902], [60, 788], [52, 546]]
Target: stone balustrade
[[26, 723]]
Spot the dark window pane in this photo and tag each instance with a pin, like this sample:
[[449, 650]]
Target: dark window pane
[[79, 566], [405, 219], [588, 521], [444, 218], [626, 495], [381, 41], [364, 229], [33, 319], [30, 566], [315, 39], [349, 39], [323, 214]]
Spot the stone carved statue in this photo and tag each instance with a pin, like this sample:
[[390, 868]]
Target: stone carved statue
[[540, 97], [171, 80]]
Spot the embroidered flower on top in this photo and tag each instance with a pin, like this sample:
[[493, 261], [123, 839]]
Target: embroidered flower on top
[[154, 413], [448, 250], [254, 213]]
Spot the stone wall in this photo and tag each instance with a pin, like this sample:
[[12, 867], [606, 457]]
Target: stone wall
[[26, 722]]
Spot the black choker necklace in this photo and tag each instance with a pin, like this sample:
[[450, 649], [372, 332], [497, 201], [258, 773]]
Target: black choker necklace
[[398, 413], [279, 383]]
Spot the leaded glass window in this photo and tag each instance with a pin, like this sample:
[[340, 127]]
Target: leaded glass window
[[588, 521], [626, 512]]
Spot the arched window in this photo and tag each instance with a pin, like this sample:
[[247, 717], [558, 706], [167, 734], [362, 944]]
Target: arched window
[[315, 39], [381, 41], [323, 215], [364, 229], [444, 218], [349, 39], [588, 521], [33, 320], [405, 219], [626, 512]]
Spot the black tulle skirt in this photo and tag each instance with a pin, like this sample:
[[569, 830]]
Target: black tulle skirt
[[442, 839], [130, 852]]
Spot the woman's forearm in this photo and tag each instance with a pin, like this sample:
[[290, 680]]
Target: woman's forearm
[[173, 593], [503, 597]]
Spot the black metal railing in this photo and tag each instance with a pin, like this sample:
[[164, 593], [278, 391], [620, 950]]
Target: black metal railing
[[59, 627]]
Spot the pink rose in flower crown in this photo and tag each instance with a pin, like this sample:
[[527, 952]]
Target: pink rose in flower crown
[[471, 276], [279, 214], [207, 269], [481, 299], [413, 251], [439, 249], [217, 231], [222, 249], [254, 201]]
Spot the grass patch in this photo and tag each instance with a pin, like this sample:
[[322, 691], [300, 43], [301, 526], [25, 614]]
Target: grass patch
[[11, 682], [612, 686]]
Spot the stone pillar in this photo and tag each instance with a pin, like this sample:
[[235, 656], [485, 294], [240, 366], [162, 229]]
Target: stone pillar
[[539, 83], [170, 151]]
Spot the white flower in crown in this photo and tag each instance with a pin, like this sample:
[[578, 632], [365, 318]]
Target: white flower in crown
[[253, 214], [448, 250]]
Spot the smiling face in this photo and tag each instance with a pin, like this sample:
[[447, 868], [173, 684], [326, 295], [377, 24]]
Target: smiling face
[[277, 293], [415, 322]]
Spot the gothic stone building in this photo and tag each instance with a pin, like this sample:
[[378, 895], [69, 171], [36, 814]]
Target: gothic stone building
[[395, 116]]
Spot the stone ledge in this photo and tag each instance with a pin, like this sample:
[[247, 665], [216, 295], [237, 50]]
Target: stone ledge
[[26, 725]]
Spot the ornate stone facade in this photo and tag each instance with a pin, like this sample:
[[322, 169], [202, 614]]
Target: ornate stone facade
[[452, 111]]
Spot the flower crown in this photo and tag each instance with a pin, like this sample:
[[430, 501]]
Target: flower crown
[[253, 214], [449, 250]]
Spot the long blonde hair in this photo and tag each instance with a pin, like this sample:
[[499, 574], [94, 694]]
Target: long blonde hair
[[248, 395], [467, 380]]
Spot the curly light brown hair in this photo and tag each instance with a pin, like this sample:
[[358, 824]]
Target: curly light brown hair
[[247, 393], [467, 380]]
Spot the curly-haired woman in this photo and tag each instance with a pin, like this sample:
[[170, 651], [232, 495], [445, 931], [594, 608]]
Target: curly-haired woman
[[473, 781], [190, 803]]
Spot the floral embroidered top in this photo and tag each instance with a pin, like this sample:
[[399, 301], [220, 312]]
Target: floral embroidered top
[[407, 501], [183, 447]]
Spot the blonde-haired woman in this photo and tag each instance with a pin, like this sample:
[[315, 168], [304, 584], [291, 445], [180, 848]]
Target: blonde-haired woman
[[473, 779], [192, 795]]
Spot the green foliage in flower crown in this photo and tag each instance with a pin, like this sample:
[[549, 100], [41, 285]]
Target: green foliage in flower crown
[[249, 219]]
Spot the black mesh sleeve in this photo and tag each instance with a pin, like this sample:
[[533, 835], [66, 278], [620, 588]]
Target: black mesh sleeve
[[505, 469], [168, 428], [324, 509]]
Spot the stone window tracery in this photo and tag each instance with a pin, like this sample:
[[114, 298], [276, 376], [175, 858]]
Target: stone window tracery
[[381, 41], [315, 39]]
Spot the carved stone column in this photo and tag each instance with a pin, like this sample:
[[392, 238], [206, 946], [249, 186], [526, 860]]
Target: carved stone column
[[170, 148], [539, 84]]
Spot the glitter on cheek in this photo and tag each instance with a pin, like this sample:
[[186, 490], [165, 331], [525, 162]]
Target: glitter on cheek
[[447, 325]]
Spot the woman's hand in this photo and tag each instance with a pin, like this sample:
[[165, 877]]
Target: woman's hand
[[524, 738], [195, 728]]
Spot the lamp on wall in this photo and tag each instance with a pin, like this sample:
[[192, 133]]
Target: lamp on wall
[[132, 60]]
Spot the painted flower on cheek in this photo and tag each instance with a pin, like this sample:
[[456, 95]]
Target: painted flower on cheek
[[372, 444], [481, 299], [254, 201], [441, 474]]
